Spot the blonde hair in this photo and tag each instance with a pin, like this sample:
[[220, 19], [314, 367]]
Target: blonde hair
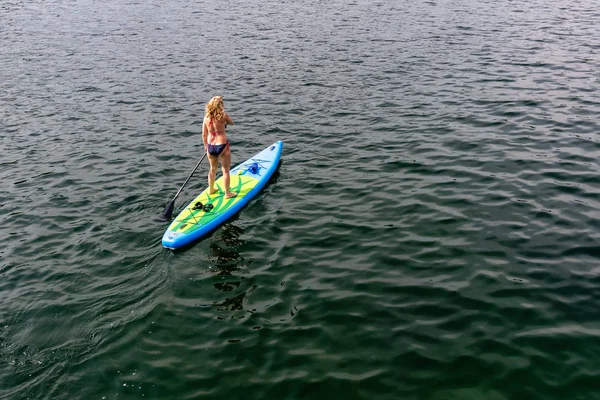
[[215, 108]]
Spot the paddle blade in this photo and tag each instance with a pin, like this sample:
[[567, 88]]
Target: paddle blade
[[167, 213]]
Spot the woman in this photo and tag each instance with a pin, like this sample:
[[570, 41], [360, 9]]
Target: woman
[[216, 144]]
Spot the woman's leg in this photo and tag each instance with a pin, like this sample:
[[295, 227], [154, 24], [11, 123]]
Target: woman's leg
[[225, 165], [212, 173]]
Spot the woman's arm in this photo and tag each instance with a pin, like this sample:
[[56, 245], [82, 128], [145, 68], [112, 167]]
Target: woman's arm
[[204, 135], [228, 119]]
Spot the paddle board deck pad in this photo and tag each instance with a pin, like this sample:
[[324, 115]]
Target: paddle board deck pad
[[207, 212]]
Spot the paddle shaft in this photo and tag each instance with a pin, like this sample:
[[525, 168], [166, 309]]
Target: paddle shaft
[[189, 177]]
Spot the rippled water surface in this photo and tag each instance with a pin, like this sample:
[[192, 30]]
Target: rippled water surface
[[432, 232]]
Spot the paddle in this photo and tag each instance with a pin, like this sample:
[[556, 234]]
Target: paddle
[[168, 211]]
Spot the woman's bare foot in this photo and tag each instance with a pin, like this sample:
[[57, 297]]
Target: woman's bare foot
[[213, 191], [230, 195]]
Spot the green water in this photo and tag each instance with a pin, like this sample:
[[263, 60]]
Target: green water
[[432, 232]]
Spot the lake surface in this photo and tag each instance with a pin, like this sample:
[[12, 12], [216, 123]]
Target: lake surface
[[433, 231]]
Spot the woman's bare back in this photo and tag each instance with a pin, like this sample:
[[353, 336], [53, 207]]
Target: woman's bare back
[[215, 129]]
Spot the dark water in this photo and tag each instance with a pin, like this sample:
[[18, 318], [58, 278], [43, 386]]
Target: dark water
[[433, 232]]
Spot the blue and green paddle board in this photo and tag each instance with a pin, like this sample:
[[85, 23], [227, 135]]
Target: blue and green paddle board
[[207, 212]]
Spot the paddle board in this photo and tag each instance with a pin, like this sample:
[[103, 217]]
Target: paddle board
[[207, 212]]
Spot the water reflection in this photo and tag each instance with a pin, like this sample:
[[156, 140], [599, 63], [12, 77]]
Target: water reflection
[[224, 250], [235, 303], [227, 260]]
